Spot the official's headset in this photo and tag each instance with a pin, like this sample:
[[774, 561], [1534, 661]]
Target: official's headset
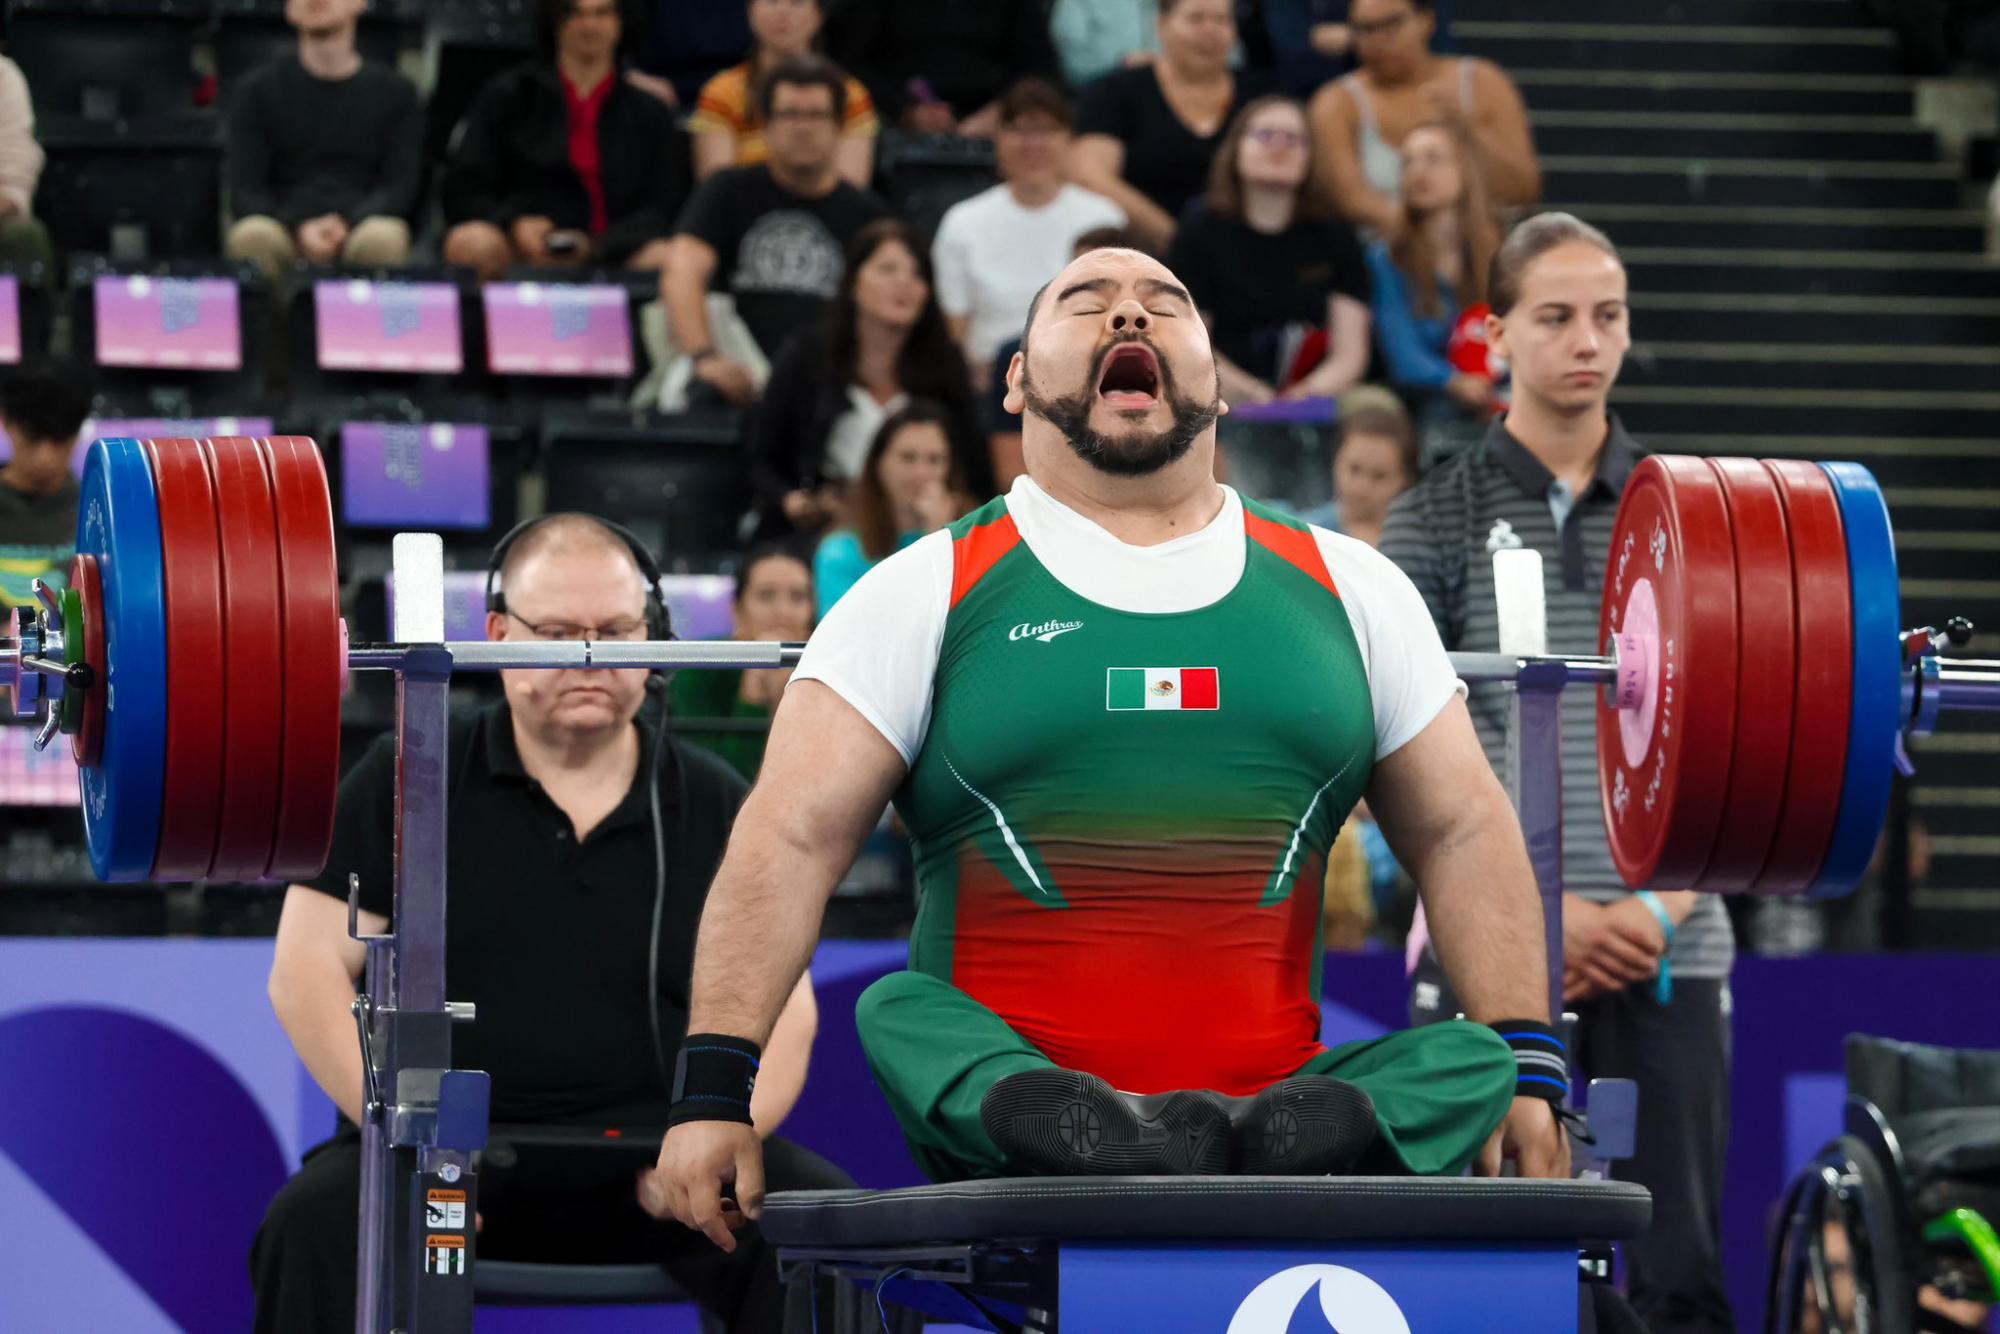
[[659, 625]]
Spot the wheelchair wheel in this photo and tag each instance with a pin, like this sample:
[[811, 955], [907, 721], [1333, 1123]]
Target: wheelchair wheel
[[1839, 1264]]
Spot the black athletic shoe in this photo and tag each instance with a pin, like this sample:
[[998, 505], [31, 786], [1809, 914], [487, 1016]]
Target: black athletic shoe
[[1308, 1125], [1070, 1124]]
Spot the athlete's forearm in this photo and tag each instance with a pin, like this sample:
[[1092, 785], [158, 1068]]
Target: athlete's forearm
[[761, 921], [1485, 915]]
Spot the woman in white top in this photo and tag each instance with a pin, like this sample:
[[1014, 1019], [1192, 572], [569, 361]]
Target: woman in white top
[[1359, 122], [995, 249]]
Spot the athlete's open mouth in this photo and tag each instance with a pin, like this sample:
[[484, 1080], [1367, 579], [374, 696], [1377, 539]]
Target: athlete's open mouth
[[1130, 380]]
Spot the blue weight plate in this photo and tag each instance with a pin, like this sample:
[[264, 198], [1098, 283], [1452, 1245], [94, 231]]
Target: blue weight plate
[[1875, 710], [118, 522]]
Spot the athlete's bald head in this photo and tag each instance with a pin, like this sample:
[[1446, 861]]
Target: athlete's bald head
[[1116, 358]]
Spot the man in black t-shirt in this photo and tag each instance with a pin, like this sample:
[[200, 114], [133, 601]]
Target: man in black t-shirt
[[555, 875], [325, 151], [771, 236]]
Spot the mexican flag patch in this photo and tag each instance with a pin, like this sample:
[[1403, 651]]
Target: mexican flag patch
[[1160, 688]]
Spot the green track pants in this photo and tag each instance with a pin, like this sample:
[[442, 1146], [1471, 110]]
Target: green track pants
[[1439, 1091]]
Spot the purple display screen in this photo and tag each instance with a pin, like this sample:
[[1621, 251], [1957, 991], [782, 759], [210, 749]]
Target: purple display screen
[[30, 777], [10, 319], [415, 475], [370, 326], [174, 323], [150, 428], [557, 329]]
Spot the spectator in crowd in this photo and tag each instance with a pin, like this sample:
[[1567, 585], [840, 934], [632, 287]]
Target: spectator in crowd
[[563, 162], [688, 42], [1279, 278], [1375, 461], [325, 151], [773, 603], [1362, 120], [1430, 287], [727, 126], [995, 249], [939, 66], [1003, 427], [770, 237], [910, 485], [1647, 973], [1095, 37], [881, 345], [1145, 136], [23, 240], [42, 408]]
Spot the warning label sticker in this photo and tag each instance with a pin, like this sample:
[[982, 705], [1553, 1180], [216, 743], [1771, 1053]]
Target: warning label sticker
[[444, 1255], [444, 1208]]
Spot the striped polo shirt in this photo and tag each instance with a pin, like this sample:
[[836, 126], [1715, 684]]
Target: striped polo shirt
[[1443, 532]]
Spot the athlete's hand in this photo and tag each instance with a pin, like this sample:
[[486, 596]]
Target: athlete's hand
[[1533, 1138], [698, 1161]]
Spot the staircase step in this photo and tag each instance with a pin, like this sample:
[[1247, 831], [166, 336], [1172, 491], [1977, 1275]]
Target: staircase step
[[1947, 231], [1662, 46], [1905, 460], [1811, 272], [1759, 13], [1734, 135], [1768, 318], [1847, 366], [1774, 183], [1595, 89], [1651, 410]]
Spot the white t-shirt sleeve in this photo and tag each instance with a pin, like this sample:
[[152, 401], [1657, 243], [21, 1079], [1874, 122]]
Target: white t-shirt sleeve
[[878, 646], [1097, 211], [951, 261], [1410, 678]]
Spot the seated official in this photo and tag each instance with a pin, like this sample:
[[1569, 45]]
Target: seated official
[[1121, 864], [559, 796]]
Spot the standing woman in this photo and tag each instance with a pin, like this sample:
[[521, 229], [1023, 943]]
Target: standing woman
[[1277, 276], [1145, 136], [1428, 274], [728, 130], [883, 342], [1362, 120]]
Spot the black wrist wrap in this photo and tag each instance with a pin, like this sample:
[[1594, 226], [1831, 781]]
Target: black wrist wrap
[[714, 1076], [1540, 1057]]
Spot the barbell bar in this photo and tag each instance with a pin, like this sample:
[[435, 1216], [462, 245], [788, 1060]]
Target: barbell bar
[[1751, 701]]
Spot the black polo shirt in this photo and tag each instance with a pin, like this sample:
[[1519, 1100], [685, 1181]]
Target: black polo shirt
[[546, 935]]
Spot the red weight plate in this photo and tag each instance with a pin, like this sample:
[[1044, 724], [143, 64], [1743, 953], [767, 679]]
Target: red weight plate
[[88, 744], [1671, 585], [1823, 687], [253, 677], [191, 566], [315, 658], [1766, 659]]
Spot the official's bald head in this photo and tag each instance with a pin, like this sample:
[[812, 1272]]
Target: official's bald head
[[566, 534]]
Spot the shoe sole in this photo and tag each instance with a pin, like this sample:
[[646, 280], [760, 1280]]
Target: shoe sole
[[1070, 1124], [1305, 1126]]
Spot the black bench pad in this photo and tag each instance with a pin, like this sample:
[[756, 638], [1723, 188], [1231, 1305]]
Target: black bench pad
[[1421, 1209]]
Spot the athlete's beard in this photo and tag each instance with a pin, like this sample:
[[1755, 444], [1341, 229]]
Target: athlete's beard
[[1125, 455]]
